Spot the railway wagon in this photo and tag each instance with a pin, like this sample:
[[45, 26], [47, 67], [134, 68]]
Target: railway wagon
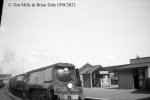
[[59, 81], [16, 85], [12, 84]]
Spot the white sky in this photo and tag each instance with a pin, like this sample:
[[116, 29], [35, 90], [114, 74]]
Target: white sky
[[101, 32]]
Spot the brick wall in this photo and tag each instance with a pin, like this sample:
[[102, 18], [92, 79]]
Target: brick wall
[[140, 60], [125, 80]]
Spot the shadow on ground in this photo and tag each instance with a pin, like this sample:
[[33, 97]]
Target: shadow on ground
[[91, 99], [144, 98], [145, 91]]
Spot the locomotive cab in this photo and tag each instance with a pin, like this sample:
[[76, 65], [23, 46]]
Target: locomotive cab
[[67, 84]]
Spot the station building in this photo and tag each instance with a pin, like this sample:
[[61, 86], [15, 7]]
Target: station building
[[94, 76], [135, 75]]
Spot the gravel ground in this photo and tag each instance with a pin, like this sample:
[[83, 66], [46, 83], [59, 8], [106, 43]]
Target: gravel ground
[[113, 93]]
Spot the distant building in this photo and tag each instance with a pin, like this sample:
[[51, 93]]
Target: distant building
[[94, 76], [4, 77], [135, 75]]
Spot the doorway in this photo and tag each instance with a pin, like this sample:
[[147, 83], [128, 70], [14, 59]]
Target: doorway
[[136, 79]]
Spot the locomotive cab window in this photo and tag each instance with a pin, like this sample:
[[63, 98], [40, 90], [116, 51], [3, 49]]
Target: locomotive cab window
[[65, 74]]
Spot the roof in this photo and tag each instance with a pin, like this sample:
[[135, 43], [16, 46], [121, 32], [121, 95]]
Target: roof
[[57, 64], [87, 65], [114, 68], [127, 66], [133, 66], [87, 68]]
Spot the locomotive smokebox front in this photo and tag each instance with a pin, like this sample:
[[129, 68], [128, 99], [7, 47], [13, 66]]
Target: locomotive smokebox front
[[65, 84]]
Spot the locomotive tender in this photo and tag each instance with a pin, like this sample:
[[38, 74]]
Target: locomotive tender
[[60, 81]]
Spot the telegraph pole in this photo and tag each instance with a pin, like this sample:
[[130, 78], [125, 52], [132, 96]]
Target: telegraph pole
[[23, 66]]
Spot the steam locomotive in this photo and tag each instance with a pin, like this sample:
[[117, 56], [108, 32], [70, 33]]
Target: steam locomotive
[[60, 81]]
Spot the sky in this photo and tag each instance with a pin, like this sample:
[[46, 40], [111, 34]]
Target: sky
[[99, 32]]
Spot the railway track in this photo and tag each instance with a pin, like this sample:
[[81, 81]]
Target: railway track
[[4, 95]]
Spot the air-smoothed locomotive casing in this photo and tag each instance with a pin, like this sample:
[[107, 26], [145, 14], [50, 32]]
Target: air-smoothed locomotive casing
[[41, 78]]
